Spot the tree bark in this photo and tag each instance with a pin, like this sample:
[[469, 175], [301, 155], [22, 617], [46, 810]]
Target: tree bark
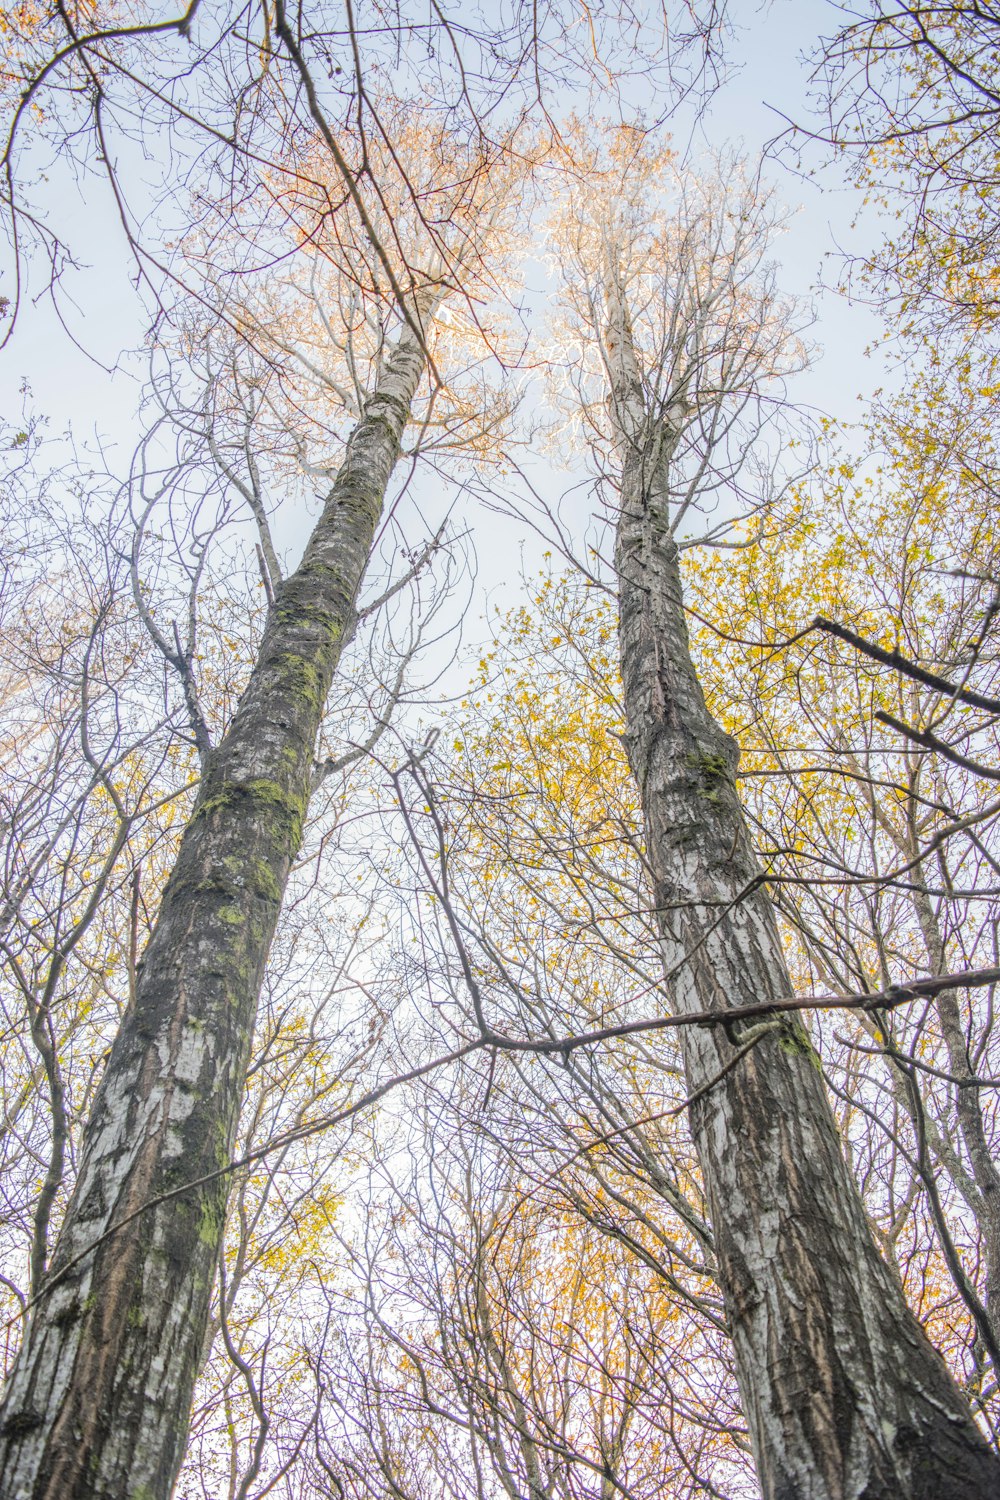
[[97, 1407], [845, 1397]]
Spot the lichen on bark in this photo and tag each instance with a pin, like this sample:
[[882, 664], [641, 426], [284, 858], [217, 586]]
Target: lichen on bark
[[845, 1397], [98, 1402]]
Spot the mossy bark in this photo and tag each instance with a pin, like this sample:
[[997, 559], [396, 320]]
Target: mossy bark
[[97, 1407], [844, 1396]]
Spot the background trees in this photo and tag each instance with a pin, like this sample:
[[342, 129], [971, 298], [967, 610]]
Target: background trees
[[885, 844], [759, 1118], [910, 98], [512, 1274]]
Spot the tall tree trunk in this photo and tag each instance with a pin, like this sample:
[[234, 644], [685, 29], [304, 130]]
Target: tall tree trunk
[[844, 1395], [98, 1403]]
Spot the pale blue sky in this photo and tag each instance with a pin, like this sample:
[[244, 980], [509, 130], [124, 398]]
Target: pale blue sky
[[104, 314]]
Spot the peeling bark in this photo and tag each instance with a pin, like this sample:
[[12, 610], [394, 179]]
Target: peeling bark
[[844, 1395], [98, 1404]]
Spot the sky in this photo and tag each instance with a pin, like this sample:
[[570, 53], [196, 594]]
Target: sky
[[766, 87], [85, 367]]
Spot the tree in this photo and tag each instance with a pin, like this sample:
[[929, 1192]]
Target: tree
[[75, 1415], [98, 1400], [909, 97], [881, 852], [93, 770], [214, 92], [368, 216], [501, 1335], [811, 1305]]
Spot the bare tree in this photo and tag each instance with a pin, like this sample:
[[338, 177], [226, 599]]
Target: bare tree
[[881, 851], [500, 1334], [908, 98], [99, 1398], [843, 1393], [92, 772]]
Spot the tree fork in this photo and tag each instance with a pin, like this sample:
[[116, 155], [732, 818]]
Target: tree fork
[[97, 1407]]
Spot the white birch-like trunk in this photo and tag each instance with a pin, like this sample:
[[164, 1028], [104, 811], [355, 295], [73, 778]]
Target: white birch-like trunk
[[845, 1397], [97, 1407]]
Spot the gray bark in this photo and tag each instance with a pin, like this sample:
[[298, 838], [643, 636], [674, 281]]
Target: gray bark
[[845, 1397], [98, 1404]]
